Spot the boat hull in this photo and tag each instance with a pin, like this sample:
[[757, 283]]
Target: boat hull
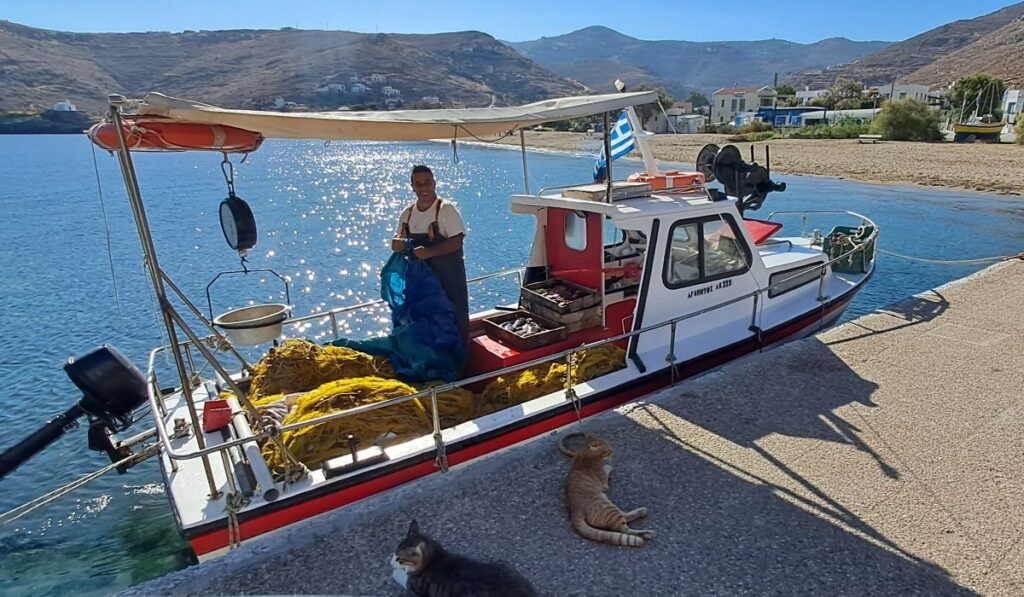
[[967, 133], [211, 539]]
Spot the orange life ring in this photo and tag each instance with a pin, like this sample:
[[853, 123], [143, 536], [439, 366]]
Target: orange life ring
[[669, 180], [171, 135]]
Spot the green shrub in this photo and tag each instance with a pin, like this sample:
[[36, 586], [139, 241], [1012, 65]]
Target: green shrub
[[843, 129], [908, 120], [752, 137], [755, 126]]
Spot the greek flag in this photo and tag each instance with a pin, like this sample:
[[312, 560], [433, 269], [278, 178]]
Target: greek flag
[[622, 141]]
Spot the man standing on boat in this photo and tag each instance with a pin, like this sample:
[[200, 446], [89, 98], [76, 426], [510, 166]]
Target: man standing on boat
[[434, 227]]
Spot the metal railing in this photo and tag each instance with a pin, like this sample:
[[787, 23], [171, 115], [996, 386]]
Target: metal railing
[[156, 398]]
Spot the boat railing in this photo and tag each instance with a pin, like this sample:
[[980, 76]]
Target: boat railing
[[433, 392], [333, 314]]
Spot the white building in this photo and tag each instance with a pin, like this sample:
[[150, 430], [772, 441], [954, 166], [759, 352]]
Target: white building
[[389, 91], [430, 99], [64, 106], [900, 91], [729, 102], [674, 120], [1012, 104], [808, 94], [279, 103], [358, 88], [378, 78], [353, 79]]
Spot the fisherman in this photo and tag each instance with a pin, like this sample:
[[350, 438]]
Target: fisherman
[[434, 227]]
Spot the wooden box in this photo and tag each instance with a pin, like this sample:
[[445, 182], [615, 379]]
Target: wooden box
[[531, 298], [552, 332], [598, 192]]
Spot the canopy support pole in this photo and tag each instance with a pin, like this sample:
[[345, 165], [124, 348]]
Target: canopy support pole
[[526, 170], [131, 184]]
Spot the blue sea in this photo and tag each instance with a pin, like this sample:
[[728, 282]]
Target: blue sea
[[71, 278]]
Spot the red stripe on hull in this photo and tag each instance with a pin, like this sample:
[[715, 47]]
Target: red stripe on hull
[[218, 539]]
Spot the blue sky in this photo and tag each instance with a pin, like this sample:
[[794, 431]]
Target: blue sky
[[517, 20]]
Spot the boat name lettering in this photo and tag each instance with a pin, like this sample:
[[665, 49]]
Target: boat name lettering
[[709, 289]]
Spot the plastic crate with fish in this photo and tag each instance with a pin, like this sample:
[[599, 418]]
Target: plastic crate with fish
[[523, 330]]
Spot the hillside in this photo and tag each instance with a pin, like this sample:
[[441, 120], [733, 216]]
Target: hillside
[[249, 68], [907, 57], [1000, 53], [596, 56]]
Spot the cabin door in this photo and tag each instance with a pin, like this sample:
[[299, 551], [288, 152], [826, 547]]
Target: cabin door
[[700, 267]]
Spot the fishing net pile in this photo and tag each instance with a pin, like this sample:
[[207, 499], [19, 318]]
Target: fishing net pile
[[305, 381]]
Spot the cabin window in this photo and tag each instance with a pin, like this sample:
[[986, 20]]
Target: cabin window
[[612, 234], [784, 281], [576, 231], [702, 250]]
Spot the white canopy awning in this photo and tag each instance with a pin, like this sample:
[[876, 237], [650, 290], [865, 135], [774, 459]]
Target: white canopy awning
[[398, 125]]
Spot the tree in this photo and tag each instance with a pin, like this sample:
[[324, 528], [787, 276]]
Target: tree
[[647, 111], [908, 120], [786, 90], [698, 100], [982, 93], [843, 89]]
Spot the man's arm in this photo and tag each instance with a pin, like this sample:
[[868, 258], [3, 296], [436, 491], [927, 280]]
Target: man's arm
[[397, 244], [445, 247]]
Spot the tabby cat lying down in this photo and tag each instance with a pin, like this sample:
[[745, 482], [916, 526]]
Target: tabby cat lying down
[[421, 565], [592, 514]]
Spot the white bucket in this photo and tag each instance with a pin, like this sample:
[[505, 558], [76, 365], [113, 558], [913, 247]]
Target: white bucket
[[253, 325]]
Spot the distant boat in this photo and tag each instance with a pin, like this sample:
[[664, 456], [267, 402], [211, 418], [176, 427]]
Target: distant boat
[[968, 132]]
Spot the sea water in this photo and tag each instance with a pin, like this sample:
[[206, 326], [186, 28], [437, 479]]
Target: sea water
[[71, 278]]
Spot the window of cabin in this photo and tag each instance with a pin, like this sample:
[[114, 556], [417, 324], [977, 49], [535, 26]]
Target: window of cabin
[[576, 231], [702, 250]]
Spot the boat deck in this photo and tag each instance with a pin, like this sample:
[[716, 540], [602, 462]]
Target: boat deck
[[885, 460]]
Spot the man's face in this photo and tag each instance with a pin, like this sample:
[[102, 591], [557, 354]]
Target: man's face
[[423, 185]]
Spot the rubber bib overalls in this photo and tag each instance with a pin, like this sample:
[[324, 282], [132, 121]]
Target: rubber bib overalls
[[450, 269]]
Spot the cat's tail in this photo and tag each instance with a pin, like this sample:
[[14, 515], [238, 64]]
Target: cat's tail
[[603, 536], [564, 448]]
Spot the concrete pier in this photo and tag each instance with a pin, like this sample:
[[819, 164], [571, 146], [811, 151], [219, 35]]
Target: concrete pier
[[883, 457]]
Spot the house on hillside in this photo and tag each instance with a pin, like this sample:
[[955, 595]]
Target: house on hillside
[[64, 106], [1012, 100], [674, 120], [729, 102], [378, 78]]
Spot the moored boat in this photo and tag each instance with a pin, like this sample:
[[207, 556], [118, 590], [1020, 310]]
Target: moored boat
[[660, 283]]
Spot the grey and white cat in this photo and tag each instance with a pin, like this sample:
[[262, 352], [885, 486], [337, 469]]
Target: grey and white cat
[[423, 567]]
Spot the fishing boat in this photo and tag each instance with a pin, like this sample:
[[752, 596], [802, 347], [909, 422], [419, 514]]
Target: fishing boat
[[985, 128], [664, 277]]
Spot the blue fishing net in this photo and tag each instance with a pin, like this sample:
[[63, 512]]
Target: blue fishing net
[[424, 344]]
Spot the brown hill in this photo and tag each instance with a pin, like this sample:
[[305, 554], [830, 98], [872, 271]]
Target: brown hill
[[1000, 53], [901, 60], [249, 68]]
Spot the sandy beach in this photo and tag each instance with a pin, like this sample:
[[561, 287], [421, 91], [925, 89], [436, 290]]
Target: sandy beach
[[989, 168]]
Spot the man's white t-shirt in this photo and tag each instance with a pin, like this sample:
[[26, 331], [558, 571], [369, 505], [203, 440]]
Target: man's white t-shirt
[[449, 222]]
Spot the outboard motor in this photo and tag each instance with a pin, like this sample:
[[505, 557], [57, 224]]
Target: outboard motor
[[112, 389]]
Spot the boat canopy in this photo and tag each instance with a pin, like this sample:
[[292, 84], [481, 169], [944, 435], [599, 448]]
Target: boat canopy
[[397, 125]]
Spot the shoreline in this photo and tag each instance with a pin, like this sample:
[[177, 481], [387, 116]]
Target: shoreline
[[992, 169]]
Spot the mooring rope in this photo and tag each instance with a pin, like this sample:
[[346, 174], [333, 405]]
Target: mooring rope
[[15, 513], [106, 228], [1019, 256]]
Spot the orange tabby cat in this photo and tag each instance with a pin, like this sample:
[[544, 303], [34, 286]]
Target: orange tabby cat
[[592, 514]]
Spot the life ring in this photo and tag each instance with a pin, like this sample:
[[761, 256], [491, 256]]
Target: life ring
[[171, 135], [669, 180]]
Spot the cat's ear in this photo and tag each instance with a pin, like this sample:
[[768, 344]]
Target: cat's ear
[[414, 529]]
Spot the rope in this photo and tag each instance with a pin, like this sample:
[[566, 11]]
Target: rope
[[1019, 256], [106, 229], [15, 513]]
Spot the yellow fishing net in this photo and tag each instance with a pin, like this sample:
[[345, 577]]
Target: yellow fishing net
[[301, 366]]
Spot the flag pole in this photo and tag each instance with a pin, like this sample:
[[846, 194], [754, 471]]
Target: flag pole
[[608, 158]]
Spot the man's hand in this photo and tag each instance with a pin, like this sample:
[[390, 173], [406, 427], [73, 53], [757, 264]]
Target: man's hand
[[397, 245], [422, 253]]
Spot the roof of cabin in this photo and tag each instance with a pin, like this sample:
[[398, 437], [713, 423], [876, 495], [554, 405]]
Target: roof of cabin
[[654, 205]]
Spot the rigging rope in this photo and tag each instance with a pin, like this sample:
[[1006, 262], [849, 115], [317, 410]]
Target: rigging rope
[[106, 229], [15, 513], [1019, 256]]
